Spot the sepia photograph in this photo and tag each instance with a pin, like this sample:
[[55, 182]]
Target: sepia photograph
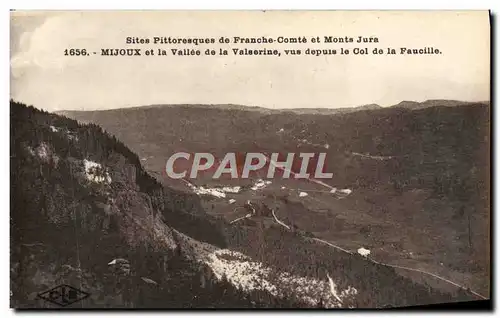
[[250, 159]]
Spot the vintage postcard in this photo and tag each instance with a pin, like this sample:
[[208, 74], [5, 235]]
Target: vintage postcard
[[249, 159]]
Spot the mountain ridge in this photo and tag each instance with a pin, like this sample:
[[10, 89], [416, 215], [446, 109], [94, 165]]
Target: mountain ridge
[[413, 105]]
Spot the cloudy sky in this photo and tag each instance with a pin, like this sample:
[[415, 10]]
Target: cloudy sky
[[42, 76]]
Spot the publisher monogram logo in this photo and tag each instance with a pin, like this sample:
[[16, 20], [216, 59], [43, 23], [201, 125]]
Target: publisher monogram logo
[[63, 295]]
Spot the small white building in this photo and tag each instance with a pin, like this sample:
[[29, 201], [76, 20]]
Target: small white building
[[363, 251]]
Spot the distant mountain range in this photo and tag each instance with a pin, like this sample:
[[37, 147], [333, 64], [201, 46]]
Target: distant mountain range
[[404, 104], [412, 105]]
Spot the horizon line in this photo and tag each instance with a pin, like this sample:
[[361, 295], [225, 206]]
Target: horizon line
[[488, 101], [279, 109]]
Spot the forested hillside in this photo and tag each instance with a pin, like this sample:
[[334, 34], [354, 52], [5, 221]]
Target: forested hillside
[[66, 226]]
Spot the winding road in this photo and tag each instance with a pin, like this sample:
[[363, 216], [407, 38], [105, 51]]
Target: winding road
[[404, 267]]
